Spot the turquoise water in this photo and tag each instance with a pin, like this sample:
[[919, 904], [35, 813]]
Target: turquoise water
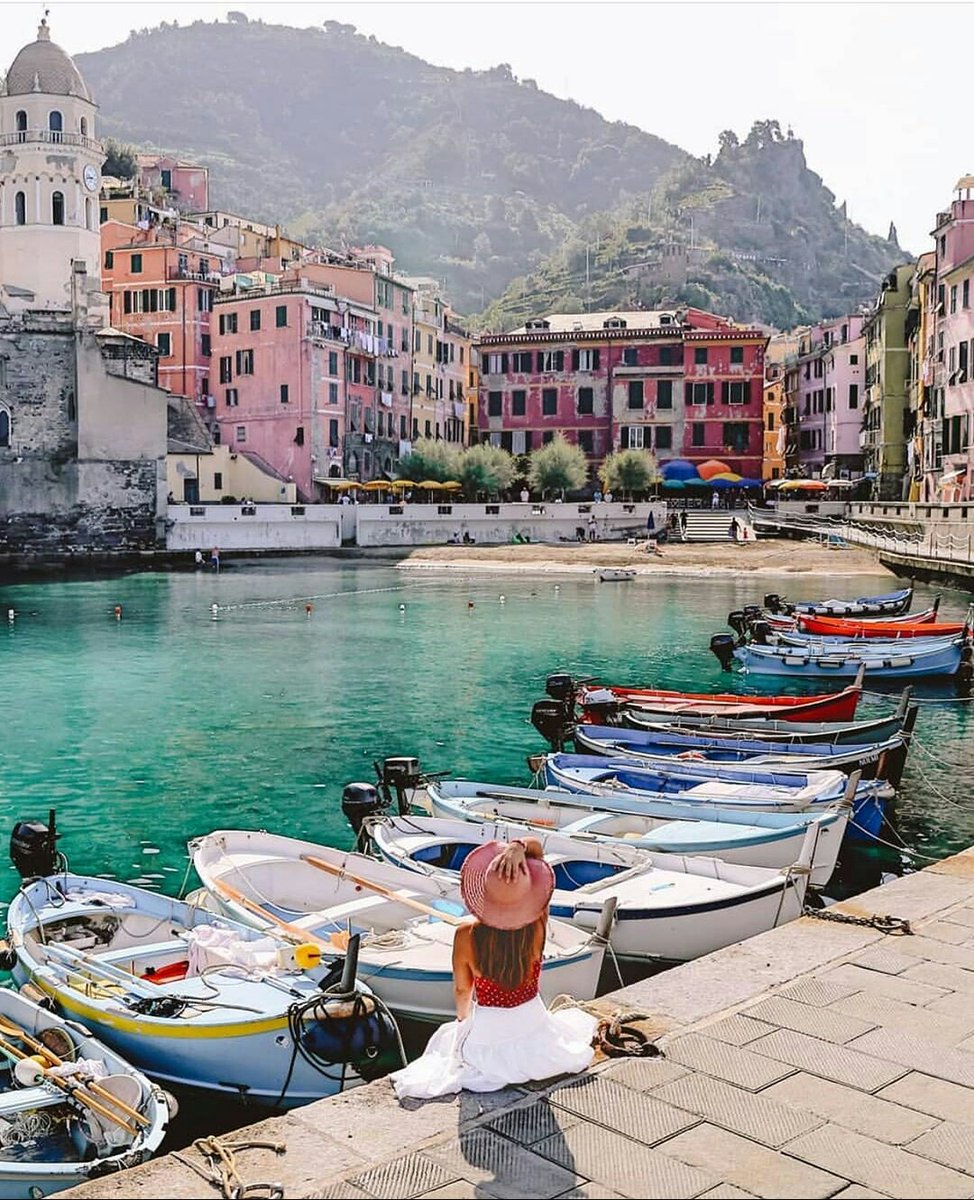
[[146, 731]]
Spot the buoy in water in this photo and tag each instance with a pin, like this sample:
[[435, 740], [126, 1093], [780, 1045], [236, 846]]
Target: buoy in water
[[118, 612], [469, 604], [308, 609], [214, 611], [11, 615], [402, 608], [503, 599]]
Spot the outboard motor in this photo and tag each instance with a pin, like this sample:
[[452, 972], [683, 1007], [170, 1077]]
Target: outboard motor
[[761, 633], [722, 646], [752, 612], [561, 687], [772, 602], [400, 776], [33, 848], [361, 800], [553, 720], [737, 621]]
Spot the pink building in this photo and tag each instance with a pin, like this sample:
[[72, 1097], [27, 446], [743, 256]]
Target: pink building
[[292, 373], [186, 183], [827, 416], [684, 384]]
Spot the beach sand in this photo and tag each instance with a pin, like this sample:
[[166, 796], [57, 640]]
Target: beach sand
[[765, 557]]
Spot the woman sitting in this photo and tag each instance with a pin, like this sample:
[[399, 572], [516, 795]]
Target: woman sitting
[[503, 1033]]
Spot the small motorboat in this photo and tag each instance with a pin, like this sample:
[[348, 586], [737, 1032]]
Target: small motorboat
[[669, 908], [891, 604], [192, 998], [782, 621], [713, 783], [821, 643], [756, 839], [71, 1109], [406, 922], [615, 574], [909, 660], [838, 733], [894, 630], [874, 760]]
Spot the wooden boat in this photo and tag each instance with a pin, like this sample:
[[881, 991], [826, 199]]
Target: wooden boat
[[757, 839], [891, 630], [188, 997], [669, 907], [76, 1112], [882, 760], [615, 574], [891, 604], [912, 660], [839, 733], [734, 786], [854, 645], [782, 621], [406, 922], [835, 706]]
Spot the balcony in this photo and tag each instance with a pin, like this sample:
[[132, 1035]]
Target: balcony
[[198, 276], [50, 137]]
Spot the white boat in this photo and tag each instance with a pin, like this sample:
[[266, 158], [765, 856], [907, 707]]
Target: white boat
[[615, 574], [670, 908], [754, 839], [83, 1114], [188, 997], [406, 921]]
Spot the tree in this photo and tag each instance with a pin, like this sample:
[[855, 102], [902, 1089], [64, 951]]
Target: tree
[[486, 468], [628, 471], [558, 467], [120, 160], [431, 459]]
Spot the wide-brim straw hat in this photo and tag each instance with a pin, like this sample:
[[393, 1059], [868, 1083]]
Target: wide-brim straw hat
[[497, 902]]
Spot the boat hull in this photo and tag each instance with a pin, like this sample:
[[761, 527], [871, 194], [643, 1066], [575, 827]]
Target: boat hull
[[893, 604], [839, 733], [901, 662], [892, 630]]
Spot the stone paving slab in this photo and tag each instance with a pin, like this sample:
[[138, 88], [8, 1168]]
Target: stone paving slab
[[756, 1116], [819, 990], [747, 1165], [932, 950], [952, 979], [502, 1168], [731, 1063], [937, 1097], [726, 1191], [830, 1024], [878, 1118], [636, 1115], [737, 1029], [841, 1063], [855, 978], [642, 1074], [949, 931], [950, 1144], [855, 1192], [919, 1054], [874, 1164], [530, 1123], [885, 960], [961, 916], [908, 1018]]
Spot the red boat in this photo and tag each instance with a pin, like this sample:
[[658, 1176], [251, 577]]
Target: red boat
[[889, 630], [781, 623], [837, 706]]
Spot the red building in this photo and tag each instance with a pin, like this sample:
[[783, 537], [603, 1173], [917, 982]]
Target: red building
[[682, 383]]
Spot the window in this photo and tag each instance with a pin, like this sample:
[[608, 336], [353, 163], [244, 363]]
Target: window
[[226, 368], [586, 440], [770, 422], [218, 481], [549, 402], [228, 322], [696, 433], [853, 360], [333, 393], [585, 360], [700, 355], [333, 432], [285, 393], [699, 393], [255, 319], [136, 264], [164, 344], [953, 298], [204, 300], [736, 434], [551, 360], [280, 319], [670, 356], [664, 437], [496, 364], [206, 346], [21, 121], [635, 393], [299, 436], [966, 294], [20, 208], [522, 362], [737, 354], [332, 362], [169, 300], [631, 437], [494, 404], [664, 393], [547, 437], [57, 208], [518, 403], [429, 345], [55, 123], [962, 363], [4, 428], [737, 392], [109, 259], [245, 362], [586, 401], [630, 356], [166, 180], [231, 397], [241, 432]]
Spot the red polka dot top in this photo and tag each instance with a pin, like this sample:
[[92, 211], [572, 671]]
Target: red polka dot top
[[492, 995]]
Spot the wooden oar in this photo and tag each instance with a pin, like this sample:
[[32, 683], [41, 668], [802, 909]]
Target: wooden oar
[[13, 1030], [72, 1091], [341, 873], [295, 932]]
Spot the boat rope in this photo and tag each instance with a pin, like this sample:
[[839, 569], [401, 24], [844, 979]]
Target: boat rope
[[899, 846], [941, 762], [885, 924], [402, 587], [182, 887], [220, 1168], [942, 795], [616, 1035]]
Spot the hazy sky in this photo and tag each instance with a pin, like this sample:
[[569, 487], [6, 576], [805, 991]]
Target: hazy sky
[[878, 91]]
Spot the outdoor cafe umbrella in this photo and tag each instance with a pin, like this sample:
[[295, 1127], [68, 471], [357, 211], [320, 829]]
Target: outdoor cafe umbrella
[[806, 485]]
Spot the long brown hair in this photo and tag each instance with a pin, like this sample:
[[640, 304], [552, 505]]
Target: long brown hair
[[506, 955]]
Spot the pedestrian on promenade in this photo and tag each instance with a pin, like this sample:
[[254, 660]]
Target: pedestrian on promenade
[[215, 558], [715, 499], [503, 1033], [591, 527]]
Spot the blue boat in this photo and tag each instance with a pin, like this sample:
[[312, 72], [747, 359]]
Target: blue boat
[[895, 661], [713, 783], [891, 604]]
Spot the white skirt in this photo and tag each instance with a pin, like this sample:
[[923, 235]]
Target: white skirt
[[496, 1047]]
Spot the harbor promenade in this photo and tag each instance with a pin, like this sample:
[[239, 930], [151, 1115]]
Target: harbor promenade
[[820, 1059]]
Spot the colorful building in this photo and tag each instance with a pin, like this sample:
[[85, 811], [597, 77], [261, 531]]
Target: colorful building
[[186, 186], [884, 432], [781, 347], [924, 452], [684, 384], [825, 378], [441, 354]]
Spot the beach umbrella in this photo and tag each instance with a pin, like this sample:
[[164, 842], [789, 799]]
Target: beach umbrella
[[696, 483], [673, 485], [804, 485], [678, 468], [341, 485], [451, 485], [376, 485], [721, 484], [400, 484], [713, 466], [754, 483], [728, 476], [431, 485]]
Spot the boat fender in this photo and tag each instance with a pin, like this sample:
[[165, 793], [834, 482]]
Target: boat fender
[[8, 958], [347, 1029]]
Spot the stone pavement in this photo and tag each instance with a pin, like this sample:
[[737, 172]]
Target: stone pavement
[[816, 1060]]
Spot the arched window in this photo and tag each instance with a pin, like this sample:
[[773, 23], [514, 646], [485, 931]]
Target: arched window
[[83, 126], [88, 218], [55, 123], [57, 208], [20, 208], [21, 120], [4, 427]]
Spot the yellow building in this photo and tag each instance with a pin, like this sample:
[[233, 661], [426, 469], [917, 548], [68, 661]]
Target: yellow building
[[924, 450], [780, 347], [441, 359]]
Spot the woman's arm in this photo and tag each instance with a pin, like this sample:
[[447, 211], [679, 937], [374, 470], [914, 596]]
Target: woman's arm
[[510, 861], [463, 973]]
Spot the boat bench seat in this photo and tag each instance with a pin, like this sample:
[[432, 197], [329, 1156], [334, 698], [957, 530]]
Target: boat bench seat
[[21, 1099], [339, 911], [149, 950]]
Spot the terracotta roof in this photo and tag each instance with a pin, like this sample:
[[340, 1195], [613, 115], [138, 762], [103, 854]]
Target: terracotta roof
[[44, 67]]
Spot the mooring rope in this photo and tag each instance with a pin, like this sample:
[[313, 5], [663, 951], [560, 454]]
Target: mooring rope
[[402, 587]]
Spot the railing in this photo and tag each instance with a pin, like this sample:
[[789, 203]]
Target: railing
[[199, 276], [23, 137]]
